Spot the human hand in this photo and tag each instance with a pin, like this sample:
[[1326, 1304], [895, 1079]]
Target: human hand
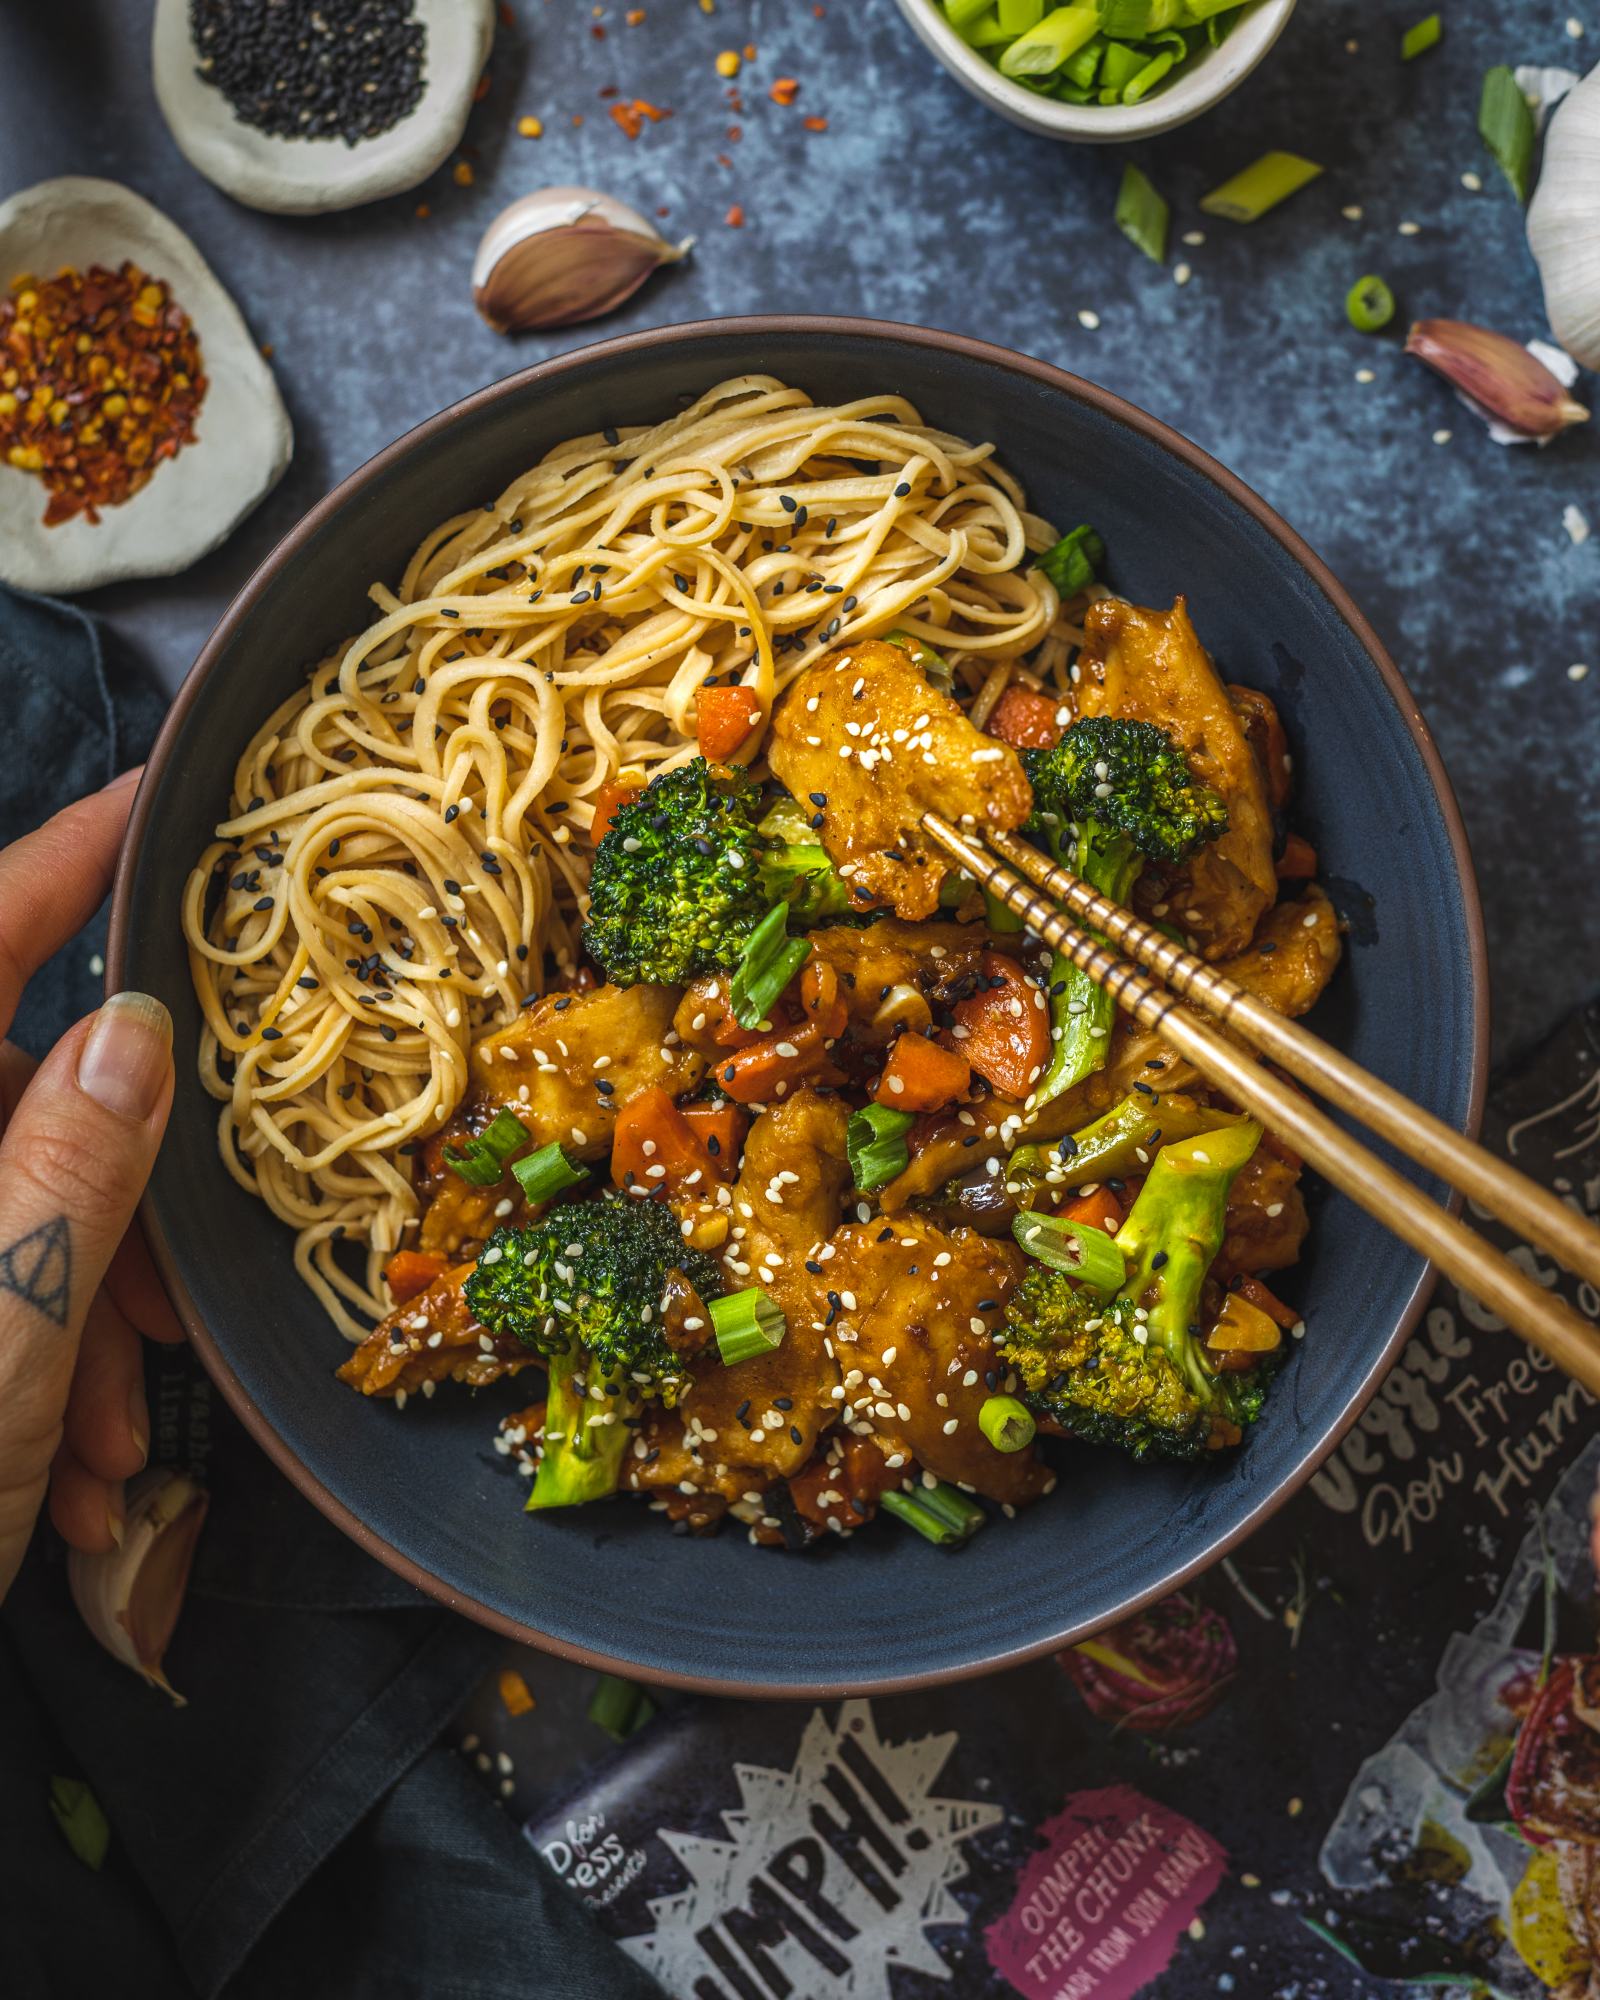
[[78, 1137]]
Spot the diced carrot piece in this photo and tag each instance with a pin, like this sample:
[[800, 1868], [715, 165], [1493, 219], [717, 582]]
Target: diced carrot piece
[[720, 1128], [1298, 861], [1026, 719], [615, 793], [921, 1076], [1007, 1023], [1266, 1301], [752, 1075], [655, 1147], [1101, 1210], [724, 717], [409, 1272]]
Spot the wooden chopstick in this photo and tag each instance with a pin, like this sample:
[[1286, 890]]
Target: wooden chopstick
[[1541, 1318], [1497, 1186]]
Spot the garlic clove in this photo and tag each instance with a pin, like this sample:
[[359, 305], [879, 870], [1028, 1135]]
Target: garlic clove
[[1564, 222], [130, 1597], [562, 255], [1500, 379]]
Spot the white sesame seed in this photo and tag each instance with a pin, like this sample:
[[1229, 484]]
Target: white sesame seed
[[953, 1425]]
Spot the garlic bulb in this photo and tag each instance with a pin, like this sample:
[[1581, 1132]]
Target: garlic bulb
[[1501, 380], [562, 255], [1564, 223], [130, 1597]]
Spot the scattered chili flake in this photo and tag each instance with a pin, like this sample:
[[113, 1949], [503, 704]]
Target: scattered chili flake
[[100, 380], [815, 124], [423, 211], [597, 31], [749, 51], [735, 216], [735, 134], [631, 116], [507, 18], [461, 173], [634, 16], [784, 90], [723, 160], [482, 90], [515, 1696]]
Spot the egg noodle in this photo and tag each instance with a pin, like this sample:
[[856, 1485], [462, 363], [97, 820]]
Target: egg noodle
[[403, 860]]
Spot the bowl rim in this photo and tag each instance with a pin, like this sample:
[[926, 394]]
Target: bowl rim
[[756, 328], [1200, 90]]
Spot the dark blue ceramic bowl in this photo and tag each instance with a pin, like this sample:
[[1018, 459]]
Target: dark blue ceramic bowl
[[422, 1490]]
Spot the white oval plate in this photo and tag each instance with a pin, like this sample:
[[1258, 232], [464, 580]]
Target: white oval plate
[[242, 433], [316, 176]]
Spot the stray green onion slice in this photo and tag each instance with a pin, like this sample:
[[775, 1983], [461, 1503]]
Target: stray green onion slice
[[1006, 1423], [936, 670], [546, 1173], [944, 1514], [1416, 40], [1369, 304], [770, 960], [1077, 1248], [1260, 186], [746, 1324], [619, 1707], [82, 1822], [1506, 124], [875, 1141], [1142, 214], [482, 1160], [1072, 563]]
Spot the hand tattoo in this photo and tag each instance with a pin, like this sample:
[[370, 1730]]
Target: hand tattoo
[[38, 1269]]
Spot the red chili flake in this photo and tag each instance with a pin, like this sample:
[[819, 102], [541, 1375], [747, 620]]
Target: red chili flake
[[735, 216], [482, 90], [735, 134], [815, 124], [507, 18], [723, 160], [631, 116], [597, 31], [784, 90], [608, 90], [100, 380]]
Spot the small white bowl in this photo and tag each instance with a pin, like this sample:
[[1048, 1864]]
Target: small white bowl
[[242, 435], [316, 176], [1202, 82]]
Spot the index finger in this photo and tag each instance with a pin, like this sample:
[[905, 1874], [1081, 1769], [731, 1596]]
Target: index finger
[[53, 881]]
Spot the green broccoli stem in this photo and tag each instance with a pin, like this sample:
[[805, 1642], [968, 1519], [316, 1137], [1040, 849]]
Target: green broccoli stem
[[1081, 1013], [1174, 1231], [584, 1438]]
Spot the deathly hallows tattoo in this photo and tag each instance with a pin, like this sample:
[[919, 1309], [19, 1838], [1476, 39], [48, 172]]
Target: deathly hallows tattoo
[[37, 1269]]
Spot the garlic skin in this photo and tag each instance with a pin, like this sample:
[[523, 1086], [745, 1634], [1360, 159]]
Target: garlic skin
[[562, 255], [1501, 380], [1564, 222], [130, 1597]]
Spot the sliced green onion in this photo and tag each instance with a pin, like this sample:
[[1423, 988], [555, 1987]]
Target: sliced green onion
[[1415, 41], [1261, 186], [1369, 304], [1072, 563], [1119, 66], [962, 13], [1000, 917], [1142, 214], [1506, 124], [985, 33], [1139, 87], [83, 1824], [1079, 71], [546, 1173], [746, 1324], [1045, 47], [935, 669], [621, 1708], [1018, 16], [875, 1140], [1006, 1423], [1130, 19], [1077, 1248], [944, 1514], [770, 960], [482, 1161]]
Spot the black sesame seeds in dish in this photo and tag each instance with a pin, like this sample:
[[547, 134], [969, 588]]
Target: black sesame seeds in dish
[[312, 69]]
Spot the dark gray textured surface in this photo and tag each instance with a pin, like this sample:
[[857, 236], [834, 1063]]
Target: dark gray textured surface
[[916, 204]]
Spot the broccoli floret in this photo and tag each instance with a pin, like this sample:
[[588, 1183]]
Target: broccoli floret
[[593, 1274], [691, 867], [1132, 1370], [1112, 794]]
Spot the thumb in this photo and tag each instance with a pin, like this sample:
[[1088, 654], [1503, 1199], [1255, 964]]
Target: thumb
[[73, 1164]]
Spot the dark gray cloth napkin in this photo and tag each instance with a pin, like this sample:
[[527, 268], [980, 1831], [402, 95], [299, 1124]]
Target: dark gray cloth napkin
[[295, 1829]]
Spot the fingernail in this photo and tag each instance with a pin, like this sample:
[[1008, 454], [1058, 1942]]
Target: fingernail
[[139, 1421], [114, 1515], [125, 1061]]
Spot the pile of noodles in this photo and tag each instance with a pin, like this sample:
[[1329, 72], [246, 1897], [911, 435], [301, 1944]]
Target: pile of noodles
[[404, 857]]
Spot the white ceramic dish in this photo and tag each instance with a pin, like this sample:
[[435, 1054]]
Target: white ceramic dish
[[243, 439], [1201, 83], [315, 176]]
